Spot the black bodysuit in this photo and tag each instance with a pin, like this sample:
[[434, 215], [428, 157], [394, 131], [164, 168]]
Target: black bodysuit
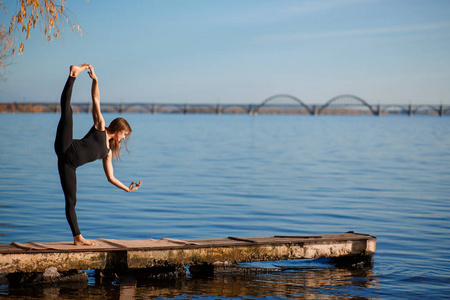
[[74, 153], [89, 148]]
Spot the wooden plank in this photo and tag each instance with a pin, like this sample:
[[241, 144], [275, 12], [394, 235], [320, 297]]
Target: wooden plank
[[247, 240]]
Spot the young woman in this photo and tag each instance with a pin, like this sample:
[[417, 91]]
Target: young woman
[[100, 142]]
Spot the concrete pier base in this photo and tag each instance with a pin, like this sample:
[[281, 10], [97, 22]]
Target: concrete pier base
[[353, 261], [40, 278]]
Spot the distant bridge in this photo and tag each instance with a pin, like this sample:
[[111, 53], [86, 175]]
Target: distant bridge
[[276, 104], [350, 104]]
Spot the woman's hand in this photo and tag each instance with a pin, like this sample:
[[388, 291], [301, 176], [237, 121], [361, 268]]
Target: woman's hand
[[134, 186], [92, 73], [109, 172]]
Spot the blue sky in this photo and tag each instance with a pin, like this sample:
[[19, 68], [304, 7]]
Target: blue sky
[[217, 51]]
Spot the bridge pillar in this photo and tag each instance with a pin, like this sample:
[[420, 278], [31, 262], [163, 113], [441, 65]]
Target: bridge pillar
[[154, 108], [251, 111], [315, 110], [441, 110], [121, 108], [379, 113], [410, 111], [219, 109], [186, 109]]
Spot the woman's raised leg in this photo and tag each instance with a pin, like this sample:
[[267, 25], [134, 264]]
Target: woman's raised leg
[[64, 132]]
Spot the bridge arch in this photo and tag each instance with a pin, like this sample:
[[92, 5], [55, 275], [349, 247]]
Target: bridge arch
[[133, 108], [426, 107], [284, 96], [362, 101], [404, 109], [446, 110]]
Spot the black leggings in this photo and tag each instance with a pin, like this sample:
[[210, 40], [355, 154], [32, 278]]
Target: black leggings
[[67, 173]]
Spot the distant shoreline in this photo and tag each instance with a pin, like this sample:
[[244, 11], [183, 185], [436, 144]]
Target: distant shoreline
[[251, 109]]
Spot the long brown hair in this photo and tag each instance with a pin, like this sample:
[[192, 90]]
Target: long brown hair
[[118, 124]]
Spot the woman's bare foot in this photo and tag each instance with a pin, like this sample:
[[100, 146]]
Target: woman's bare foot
[[75, 70], [80, 240]]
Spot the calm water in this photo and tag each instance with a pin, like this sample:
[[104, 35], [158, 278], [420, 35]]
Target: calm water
[[209, 176]]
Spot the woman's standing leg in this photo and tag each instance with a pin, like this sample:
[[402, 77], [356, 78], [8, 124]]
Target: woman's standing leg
[[68, 179]]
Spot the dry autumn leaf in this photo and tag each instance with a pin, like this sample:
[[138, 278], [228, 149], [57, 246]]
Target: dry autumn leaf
[[50, 13]]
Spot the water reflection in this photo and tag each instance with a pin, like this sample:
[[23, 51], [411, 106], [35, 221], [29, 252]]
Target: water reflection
[[293, 283]]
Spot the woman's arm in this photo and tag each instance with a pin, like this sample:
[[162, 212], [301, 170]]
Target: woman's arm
[[109, 171], [99, 122]]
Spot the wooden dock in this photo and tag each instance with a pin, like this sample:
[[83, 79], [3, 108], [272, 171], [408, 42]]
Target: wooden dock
[[150, 253]]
